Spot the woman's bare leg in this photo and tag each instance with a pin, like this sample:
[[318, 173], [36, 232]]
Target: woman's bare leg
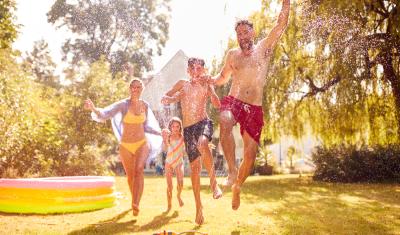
[[141, 157], [129, 163]]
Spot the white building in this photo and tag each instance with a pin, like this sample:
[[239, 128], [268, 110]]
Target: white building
[[161, 82]]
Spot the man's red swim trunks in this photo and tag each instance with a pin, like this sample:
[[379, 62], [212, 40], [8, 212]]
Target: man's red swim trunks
[[249, 116]]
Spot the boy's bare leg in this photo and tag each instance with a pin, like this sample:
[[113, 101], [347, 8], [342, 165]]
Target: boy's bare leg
[[209, 165], [250, 151], [228, 145], [195, 177]]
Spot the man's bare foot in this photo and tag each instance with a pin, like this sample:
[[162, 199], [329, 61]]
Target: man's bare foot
[[135, 210], [217, 193], [235, 196], [230, 179], [199, 217], [180, 201]]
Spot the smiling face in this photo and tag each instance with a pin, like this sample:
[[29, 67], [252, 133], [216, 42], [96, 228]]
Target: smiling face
[[245, 36], [195, 67], [175, 128], [136, 88]]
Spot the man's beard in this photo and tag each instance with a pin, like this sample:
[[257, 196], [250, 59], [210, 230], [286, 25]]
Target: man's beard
[[246, 45]]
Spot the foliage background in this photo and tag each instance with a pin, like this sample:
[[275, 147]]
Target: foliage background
[[341, 84]]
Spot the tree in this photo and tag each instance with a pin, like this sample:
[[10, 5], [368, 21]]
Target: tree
[[8, 28], [126, 32], [341, 82], [40, 63], [22, 117], [356, 63]]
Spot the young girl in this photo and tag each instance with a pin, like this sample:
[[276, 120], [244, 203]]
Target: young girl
[[174, 146]]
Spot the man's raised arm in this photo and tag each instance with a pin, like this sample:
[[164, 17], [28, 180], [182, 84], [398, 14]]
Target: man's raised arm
[[270, 41]]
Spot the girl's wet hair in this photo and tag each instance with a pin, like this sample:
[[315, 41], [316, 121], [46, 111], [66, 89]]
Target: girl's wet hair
[[177, 120], [243, 22]]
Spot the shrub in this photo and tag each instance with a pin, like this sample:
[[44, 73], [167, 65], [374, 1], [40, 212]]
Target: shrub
[[357, 164]]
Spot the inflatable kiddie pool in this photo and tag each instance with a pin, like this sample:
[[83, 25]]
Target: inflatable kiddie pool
[[57, 194]]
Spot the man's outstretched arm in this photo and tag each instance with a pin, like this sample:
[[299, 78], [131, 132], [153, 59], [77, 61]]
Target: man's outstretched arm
[[214, 97], [226, 71], [271, 40]]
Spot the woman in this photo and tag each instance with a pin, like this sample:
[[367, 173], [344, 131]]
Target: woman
[[174, 146], [138, 132]]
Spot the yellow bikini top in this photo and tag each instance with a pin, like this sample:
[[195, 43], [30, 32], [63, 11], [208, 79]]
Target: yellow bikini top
[[134, 119]]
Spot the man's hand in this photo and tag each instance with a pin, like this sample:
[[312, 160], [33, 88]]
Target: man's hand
[[207, 79]]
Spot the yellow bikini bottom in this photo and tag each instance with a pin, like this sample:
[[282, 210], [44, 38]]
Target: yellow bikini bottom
[[133, 147]]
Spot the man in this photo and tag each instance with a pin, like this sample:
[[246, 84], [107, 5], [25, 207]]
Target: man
[[248, 67], [198, 128]]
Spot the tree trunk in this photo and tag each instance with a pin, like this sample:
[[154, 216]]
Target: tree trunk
[[391, 76]]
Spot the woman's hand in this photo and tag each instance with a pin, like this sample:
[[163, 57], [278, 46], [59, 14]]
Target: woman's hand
[[89, 105]]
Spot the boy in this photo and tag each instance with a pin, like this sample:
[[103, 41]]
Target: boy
[[198, 128]]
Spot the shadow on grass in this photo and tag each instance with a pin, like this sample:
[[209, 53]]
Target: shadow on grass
[[112, 226], [108, 226], [157, 222], [303, 206]]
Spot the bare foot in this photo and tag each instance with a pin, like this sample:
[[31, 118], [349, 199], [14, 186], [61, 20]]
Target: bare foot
[[180, 201], [135, 210], [217, 193], [169, 207], [235, 196], [199, 217], [229, 180]]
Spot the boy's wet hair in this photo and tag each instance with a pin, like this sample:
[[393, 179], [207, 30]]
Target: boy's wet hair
[[243, 22], [194, 60]]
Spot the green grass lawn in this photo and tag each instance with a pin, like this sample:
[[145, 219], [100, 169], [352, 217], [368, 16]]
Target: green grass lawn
[[286, 204]]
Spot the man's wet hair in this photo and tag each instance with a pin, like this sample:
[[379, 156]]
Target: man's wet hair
[[194, 60], [243, 22]]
